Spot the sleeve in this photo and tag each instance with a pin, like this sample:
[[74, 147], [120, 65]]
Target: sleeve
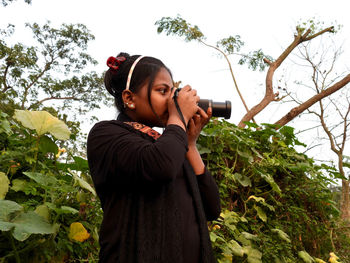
[[115, 150], [210, 195]]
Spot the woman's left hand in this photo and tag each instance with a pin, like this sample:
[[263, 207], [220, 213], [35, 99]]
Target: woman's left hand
[[196, 124]]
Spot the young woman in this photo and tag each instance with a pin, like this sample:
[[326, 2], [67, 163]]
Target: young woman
[[155, 191]]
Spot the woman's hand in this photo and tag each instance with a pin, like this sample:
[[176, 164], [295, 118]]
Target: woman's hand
[[196, 124], [187, 100]]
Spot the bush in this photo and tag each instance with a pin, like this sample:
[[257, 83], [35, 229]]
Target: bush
[[277, 206], [48, 212]]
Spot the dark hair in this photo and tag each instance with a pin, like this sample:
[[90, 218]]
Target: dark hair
[[146, 70]]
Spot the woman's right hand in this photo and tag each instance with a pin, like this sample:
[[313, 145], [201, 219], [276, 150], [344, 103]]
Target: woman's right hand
[[187, 100]]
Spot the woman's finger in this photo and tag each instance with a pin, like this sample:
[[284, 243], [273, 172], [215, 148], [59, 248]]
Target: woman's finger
[[202, 113]]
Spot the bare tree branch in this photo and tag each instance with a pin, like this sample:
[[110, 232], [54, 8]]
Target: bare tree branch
[[297, 110], [269, 94], [231, 70], [46, 68], [52, 98]]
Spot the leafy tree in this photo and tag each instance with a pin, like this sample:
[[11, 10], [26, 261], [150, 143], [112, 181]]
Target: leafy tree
[[51, 71]]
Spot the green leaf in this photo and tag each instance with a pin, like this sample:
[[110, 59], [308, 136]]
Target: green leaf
[[19, 185], [261, 213], [84, 184], [43, 211], [8, 207], [253, 255], [242, 179], [30, 223], [61, 210], [246, 155], [80, 164], [4, 185], [203, 150], [28, 187], [249, 236], [281, 234], [269, 179], [46, 145], [43, 122], [236, 248], [213, 237], [305, 257], [45, 180], [4, 124], [68, 210], [5, 226]]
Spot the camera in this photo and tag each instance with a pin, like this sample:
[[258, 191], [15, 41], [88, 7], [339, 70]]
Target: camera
[[220, 109]]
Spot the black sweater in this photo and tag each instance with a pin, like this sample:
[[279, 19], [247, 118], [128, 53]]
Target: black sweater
[[155, 208]]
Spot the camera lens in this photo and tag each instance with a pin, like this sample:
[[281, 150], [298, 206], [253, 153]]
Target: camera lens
[[220, 109]]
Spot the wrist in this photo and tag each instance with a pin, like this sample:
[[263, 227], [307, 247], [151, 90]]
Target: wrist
[[176, 120], [192, 145]]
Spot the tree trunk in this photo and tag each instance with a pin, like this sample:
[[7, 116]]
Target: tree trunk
[[345, 201]]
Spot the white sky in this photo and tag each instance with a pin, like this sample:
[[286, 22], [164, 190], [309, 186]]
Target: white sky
[[129, 26]]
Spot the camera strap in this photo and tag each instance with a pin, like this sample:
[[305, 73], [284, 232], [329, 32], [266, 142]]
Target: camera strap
[[176, 94], [144, 128]]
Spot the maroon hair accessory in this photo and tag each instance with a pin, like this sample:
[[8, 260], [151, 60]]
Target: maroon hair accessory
[[115, 62]]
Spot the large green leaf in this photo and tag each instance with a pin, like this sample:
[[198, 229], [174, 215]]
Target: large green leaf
[[24, 224], [8, 207], [43, 122], [30, 223], [4, 185], [42, 179]]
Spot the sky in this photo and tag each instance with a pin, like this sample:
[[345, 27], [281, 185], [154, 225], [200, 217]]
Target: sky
[[129, 26]]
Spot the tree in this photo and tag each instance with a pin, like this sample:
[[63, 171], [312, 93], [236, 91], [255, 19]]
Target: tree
[[332, 113], [257, 59], [51, 71], [304, 35]]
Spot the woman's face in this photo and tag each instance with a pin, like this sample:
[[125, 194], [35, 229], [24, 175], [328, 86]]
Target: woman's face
[[160, 93]]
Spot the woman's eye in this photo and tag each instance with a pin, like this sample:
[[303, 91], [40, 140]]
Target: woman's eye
[[163, 91]]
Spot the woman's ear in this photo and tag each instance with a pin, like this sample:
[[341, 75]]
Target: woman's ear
[[128, 99]]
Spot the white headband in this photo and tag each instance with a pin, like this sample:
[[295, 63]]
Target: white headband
[[131, 71]]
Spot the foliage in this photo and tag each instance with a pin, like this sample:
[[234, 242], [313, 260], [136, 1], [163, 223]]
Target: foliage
[[276, 203], [49, 211], [50, 71], [229, 46]]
